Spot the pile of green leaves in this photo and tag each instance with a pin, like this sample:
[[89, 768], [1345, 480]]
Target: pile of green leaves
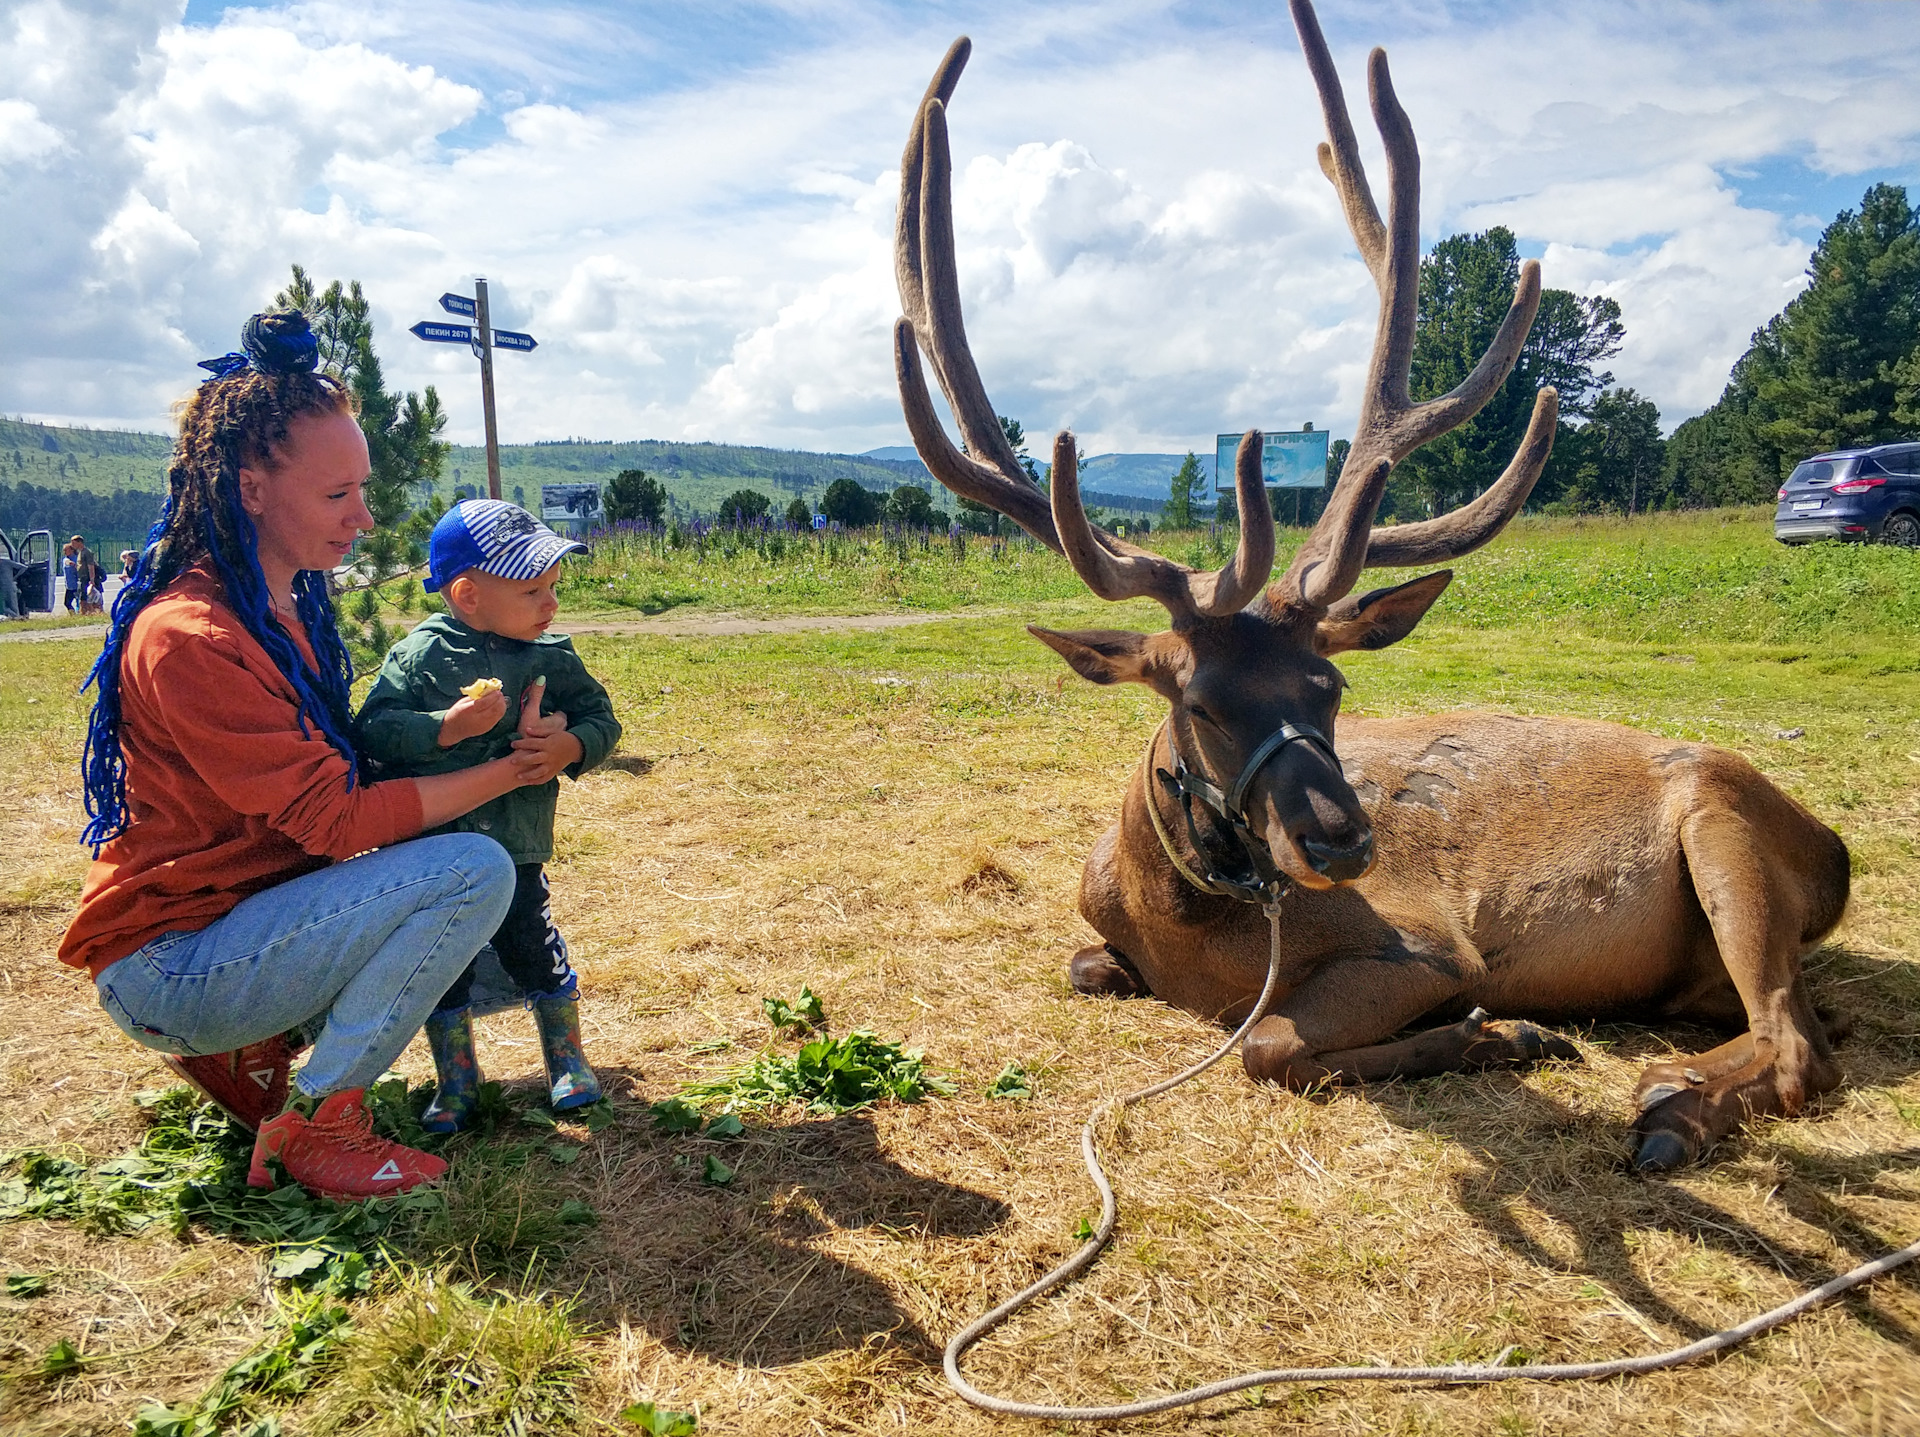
[[190, 1170], [827, 1075], [279, 1370]]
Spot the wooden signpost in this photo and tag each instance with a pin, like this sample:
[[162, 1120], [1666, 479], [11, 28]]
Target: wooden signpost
[[484, 339]]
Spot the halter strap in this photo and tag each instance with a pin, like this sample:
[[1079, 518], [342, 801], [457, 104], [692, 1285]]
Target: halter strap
[[1160, 827], [1287, 733], [1261, 882]]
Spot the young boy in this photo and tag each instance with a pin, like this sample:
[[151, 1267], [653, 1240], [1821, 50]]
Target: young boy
[[465, 687]]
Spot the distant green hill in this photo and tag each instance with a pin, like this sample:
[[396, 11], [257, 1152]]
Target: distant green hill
[[101, 462], [97, 461], [698, 476]]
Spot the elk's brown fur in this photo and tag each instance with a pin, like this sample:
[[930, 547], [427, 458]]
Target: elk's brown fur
[[1441, 866]]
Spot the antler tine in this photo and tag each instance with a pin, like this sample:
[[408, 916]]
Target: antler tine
[[963, 474], [1120, 571], [1391, 426], [1340, 159], [1232, 588], [1441, 540], [989, 472]]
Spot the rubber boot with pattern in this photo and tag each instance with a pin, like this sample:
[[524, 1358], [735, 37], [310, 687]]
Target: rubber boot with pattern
[[249, 1084], [570, 1082], [336, 1153], [457, 1091]]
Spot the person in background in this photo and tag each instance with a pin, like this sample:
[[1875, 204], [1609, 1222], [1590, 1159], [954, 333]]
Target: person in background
[[10, 571], [70, 571], [93, 582], [248, 882]]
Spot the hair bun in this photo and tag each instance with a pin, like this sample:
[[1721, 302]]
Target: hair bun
[[280, 342]]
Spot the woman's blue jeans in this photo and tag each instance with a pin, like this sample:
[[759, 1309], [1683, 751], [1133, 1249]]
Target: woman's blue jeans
[[366, 946]]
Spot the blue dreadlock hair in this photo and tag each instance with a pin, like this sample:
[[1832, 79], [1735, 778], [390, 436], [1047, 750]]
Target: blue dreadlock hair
[[237, 417]]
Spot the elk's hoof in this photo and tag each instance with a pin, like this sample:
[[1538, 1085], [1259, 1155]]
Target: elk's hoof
[[1541, 1044], [1101, 972], [1661, 1153], [1653, 1097]]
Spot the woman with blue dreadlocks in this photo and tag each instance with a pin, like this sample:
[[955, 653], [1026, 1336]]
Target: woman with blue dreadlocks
[[226, 907]]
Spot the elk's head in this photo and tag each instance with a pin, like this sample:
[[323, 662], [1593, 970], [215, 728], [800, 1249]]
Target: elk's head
[[1247, 665]]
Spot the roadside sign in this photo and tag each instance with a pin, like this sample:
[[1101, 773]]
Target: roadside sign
[[574, 505], [484, 339], [436, 333], [1289, 459]]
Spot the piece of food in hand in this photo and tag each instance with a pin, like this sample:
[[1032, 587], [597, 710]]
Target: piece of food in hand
[[480, 688]]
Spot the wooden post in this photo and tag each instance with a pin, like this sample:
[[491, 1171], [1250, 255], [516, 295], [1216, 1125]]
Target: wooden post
[[484, 323]]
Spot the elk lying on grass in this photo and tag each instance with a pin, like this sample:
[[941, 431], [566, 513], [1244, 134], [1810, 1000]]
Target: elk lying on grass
[[1438, 866]]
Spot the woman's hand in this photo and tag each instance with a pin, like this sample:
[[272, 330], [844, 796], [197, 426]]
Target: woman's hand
[[469, 718], [545, 757]]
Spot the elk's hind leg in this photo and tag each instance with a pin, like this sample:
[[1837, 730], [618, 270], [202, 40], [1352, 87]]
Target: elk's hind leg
[[1772, 881]]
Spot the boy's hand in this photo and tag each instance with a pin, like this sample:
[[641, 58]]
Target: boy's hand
[[532, 723], [469, 718], [544, 758]]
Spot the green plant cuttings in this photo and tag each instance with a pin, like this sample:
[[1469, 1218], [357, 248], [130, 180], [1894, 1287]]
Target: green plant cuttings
[[1012, 1084], [804, 1014], [661, 1421], [827, 1075]]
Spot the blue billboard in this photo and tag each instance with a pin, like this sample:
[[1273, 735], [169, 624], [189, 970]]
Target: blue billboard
[[1289, 459]]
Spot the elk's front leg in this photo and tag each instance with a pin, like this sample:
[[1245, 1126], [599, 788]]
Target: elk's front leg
[[1330, 1028]]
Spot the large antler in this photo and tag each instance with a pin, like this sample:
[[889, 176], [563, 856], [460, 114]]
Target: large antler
[[1391, 426], [988, 472]]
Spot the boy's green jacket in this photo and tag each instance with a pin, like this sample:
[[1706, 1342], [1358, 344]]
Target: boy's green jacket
[[421, 678]]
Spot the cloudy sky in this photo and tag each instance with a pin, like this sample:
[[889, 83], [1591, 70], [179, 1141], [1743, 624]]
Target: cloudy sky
[[688, 202]]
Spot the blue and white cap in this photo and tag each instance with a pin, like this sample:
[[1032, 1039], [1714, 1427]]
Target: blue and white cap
[[494, 537]]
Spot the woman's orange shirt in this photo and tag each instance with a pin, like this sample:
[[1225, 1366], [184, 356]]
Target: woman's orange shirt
[[225, 794]]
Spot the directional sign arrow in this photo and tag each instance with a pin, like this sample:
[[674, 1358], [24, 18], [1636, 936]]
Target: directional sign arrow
[[457, 304], [436, 333], [509, 339]]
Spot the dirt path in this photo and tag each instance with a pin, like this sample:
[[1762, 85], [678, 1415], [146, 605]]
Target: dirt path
[[716, 626]]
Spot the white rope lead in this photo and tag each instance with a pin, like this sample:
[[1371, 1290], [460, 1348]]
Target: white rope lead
[[965, 1340]]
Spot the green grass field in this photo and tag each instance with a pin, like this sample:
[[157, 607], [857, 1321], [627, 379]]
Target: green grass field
[[897, 820]]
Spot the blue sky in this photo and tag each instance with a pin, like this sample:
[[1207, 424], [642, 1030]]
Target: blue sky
[[690, 203]]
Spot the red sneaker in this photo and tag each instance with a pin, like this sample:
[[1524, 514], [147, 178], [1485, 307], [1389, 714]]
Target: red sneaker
[[336, 1153], [249, 1085]]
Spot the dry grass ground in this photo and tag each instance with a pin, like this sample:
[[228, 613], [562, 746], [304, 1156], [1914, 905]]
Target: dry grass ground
[[898, 819]]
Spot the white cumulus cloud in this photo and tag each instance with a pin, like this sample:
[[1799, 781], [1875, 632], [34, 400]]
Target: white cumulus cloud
[[691, 208]]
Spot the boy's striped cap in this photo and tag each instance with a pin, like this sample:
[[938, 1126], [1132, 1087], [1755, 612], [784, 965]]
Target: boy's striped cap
[[494, 537]]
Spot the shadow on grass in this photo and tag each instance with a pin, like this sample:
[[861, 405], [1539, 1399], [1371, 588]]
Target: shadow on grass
[[1530, 1150], [757, 1270]]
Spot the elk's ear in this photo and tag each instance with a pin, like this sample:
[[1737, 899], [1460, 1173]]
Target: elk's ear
[[1379, 617], [1107, 656]]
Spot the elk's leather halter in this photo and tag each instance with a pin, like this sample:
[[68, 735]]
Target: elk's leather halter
[[1254, 879]]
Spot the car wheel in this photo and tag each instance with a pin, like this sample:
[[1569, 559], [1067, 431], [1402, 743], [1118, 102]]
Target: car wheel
[[1902, 529]]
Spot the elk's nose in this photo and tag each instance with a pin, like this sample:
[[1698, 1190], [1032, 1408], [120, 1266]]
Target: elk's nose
[[1342, 865]]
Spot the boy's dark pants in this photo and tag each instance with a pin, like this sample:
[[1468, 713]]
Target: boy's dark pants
[[531, 949]]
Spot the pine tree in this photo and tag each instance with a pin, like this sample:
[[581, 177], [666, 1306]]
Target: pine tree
[[1838, 368], [1187, 490]]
